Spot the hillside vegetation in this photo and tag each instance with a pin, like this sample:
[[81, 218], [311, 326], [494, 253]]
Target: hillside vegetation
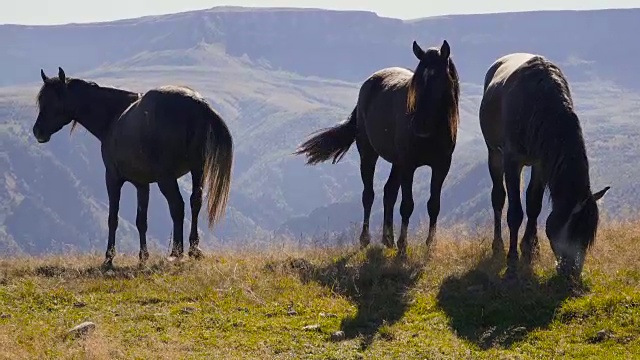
[[284, 303]]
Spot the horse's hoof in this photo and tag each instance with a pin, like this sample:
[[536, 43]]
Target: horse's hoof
[[107, 265], [402, 243], [527, 261], [196, 253], [365, 240], [497, 247], [143, 257], [402, 250], [429, 241], [388, 242], [511, 275]]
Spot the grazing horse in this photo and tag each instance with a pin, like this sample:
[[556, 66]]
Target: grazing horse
[[155, 137], [410, 119], [527, 118]]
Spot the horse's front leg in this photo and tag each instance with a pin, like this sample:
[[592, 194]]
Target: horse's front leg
[[406, 207], [515, 215], [391, 189], [438, 174]]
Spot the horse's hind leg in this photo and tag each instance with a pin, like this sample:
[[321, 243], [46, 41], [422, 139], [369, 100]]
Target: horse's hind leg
[[196, 205], [114, 189], [535, 192], [171, 192], [368, 159], [512, 171], [498, 194], [141, 220], [391, 189]]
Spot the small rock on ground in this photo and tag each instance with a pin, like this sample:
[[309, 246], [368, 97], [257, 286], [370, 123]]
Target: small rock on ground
[[314, 327], [82, 329], [188, 310], [328, 315], [338, 336], [602, 335]]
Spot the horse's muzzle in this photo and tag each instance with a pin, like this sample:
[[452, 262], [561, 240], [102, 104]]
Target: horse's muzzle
[[41, 138]]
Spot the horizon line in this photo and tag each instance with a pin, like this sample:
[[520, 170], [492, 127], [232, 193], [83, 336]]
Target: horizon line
[[302, 9]]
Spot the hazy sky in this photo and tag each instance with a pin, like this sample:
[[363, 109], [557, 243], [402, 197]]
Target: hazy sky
[[66, 11]]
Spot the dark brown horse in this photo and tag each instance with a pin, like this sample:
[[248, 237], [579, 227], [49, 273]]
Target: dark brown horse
[[528, 119], [155, 137], [410, 119]]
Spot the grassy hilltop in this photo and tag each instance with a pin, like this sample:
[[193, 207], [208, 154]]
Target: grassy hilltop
[[288, 304]]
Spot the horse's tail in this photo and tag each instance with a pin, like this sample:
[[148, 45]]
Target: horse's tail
[[217, 168], [330, 142]]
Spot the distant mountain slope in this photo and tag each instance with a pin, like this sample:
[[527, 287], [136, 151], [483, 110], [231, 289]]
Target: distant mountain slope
[[277, 75]]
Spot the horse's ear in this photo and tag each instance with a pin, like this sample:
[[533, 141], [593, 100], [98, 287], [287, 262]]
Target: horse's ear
[[445, 50], [597, 196], [44, 77], [417, 50], [61, 75]]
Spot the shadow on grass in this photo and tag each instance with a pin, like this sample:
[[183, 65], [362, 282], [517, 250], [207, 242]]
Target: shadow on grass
[[378, 286], [116, 272], [494, 312]]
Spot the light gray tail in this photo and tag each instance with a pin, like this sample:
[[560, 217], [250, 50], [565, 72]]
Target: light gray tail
[[217, 168]]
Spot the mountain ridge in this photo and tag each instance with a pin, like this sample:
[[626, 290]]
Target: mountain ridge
[[276, 78]]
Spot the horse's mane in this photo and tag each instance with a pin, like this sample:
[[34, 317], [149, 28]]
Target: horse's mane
[[451, 98], [557, 133], [545, 81]]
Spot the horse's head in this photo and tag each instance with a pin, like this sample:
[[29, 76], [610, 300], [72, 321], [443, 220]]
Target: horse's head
[[54, 105], [434, 78], [571, 231]]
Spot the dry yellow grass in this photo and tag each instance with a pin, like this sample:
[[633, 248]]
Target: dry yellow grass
[[448, 303]]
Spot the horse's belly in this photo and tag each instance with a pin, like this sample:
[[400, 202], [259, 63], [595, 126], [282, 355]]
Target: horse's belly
[[136, 168], [382, 130], [143, 167], [385, 150]]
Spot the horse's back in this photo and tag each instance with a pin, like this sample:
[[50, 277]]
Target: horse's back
[[524, 93], [170, 106], [499, 74], [172, 96], [160, 131], [181, 90], [382, 108], [505, 67]]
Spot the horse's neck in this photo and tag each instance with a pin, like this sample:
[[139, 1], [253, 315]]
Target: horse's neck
[[570, 170], [103, 106]]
